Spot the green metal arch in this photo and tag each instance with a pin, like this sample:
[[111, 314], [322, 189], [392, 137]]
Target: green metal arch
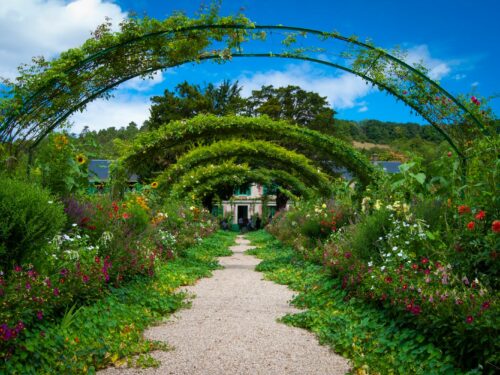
[[29, 105], [171, 138], [206, 178], [257, 154]]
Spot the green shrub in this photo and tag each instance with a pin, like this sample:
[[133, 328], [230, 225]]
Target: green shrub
[[365, 235], [29, 218]]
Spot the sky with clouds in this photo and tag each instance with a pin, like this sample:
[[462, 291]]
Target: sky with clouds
[[456, 40]]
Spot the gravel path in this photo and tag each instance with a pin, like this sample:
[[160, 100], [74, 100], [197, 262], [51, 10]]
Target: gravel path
[[231, 328]]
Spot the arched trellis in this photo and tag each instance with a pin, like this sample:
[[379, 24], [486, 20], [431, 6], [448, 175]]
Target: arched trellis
[[206, 179], [171, 138], [69, 84], [257, 154]]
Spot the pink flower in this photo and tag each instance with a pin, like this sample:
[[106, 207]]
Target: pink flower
[[480, 215], [469, 319]]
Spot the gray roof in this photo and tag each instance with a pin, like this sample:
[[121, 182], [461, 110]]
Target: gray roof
[[99, 171]]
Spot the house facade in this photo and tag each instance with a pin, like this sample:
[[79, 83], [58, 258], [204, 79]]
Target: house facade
[[249, 202]]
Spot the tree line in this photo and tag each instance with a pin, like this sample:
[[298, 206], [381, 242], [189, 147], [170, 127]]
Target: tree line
[[290, 103]]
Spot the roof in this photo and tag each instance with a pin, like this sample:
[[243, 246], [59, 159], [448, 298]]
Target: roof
[[99, 171]]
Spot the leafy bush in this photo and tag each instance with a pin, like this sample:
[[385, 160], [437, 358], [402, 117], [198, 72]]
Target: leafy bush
[[29, 218]]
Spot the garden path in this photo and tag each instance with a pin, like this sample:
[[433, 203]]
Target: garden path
[[231, 328]]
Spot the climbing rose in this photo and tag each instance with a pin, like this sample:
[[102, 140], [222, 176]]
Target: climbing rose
[[463, 209], [480, 215], [495, 226], [471, 225]]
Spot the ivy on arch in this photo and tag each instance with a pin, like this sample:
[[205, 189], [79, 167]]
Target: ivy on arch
[[203, 181], [258, 154], [47, 92], [173, 138]]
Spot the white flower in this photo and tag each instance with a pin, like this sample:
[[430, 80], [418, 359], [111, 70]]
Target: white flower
[[370, 264], [394, 248], [50, 202], [382, 268], [74, 224]]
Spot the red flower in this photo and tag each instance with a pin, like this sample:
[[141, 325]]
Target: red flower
[[469, 319], [463, 209], [480, 215], [471, 225], [495, 226], [486, 305], [125, 215], [415, 310], [425, 260], [414, 266], [97, 260], [388, 279]]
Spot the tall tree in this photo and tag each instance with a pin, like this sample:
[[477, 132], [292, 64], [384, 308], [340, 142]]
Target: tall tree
[[187, 101], [293, 104]]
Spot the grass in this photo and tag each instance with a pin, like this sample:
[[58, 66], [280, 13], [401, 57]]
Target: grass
[[109, 332], [371, 340]]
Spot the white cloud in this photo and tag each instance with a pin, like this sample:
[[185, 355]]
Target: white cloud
[[118, 111], [363, 109], [139, 84], [420, 54], [475, 84], [47, 27], [341, 91], [458, 76]]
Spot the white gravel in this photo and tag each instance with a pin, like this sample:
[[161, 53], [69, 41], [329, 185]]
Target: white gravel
[[231, 328]]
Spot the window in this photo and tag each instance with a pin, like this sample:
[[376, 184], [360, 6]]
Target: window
[[243, 190]]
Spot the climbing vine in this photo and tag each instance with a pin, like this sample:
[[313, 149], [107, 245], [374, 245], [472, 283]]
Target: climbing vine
[[204, 180], [168, 141], [258, 154]]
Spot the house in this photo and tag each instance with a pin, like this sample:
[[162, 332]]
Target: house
[[248, 202], [99, 175]]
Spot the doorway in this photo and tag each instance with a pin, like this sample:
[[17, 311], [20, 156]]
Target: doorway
[[243, 213]]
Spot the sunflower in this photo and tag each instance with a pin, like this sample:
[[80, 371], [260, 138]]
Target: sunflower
[[61, 141], [154, 184], [81, 159]]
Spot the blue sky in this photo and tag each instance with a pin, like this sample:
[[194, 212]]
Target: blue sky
[[457, 39]]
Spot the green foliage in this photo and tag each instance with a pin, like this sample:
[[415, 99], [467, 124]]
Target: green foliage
[[373, 341], [187, 101], [175, 138], [61, 168], [257, 153], [206, 180], [109, 331], [29, 217]]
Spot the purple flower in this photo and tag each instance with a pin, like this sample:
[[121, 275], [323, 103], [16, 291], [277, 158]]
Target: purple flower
[[28, 286], [64, 272], [39, 314], [56, 291]]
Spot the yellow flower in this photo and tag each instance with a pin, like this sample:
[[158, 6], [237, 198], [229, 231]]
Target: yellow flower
[[60, 141], [81, 159], [323, 205], [378, 204], [154, 184]]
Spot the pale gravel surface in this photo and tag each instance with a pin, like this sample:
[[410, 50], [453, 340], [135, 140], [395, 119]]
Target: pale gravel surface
[[231, 328]]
